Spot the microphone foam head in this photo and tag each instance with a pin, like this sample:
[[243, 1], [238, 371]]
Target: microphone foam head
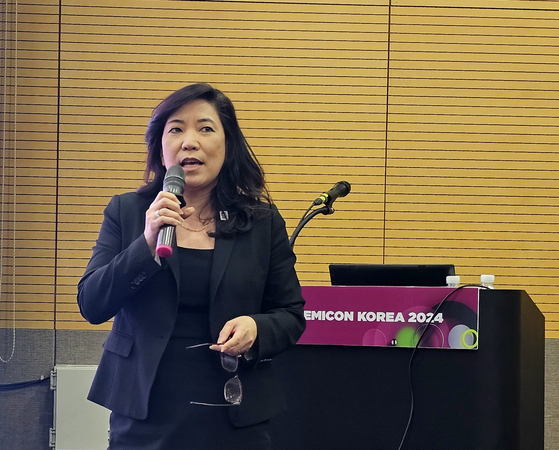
[[174, 180], [346, 188]]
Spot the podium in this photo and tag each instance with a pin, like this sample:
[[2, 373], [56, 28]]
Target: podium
[[358, 397]]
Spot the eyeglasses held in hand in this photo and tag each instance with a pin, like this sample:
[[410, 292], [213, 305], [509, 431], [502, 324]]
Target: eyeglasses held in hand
[[233, 389]]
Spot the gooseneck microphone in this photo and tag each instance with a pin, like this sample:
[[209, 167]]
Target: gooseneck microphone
[[340, 189], [173, 183]]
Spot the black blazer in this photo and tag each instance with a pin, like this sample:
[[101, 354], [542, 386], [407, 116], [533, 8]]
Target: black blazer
[[252, 274]]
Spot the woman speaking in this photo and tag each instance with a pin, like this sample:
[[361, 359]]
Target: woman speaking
[[187, 364]]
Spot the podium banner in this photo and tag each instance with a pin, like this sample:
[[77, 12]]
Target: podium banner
[[387, 316]]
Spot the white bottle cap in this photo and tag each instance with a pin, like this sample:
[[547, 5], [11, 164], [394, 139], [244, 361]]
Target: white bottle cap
[[453, 280], [487, 279]]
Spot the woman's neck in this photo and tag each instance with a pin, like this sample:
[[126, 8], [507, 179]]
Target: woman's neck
[[201, 203]]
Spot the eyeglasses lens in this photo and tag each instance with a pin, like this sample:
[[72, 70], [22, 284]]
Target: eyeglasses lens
[[233, 391], [229, 363]]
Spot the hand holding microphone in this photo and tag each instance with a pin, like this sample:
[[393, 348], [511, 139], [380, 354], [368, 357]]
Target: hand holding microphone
[[173, 183]]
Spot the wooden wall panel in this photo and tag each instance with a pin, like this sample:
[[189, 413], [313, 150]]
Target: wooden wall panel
[[29, 177], [440, 114], [308, 81], [473, 157]]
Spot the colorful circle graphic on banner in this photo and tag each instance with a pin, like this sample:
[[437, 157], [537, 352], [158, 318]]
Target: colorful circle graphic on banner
[[462, 336]]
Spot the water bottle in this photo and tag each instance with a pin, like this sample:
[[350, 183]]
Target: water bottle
[[487, 281], [453, 281]]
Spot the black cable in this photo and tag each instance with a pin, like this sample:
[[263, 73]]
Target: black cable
[[306, 212], [410, 378], [22, 384]]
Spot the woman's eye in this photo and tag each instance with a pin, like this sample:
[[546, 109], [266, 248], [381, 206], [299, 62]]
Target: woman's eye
[[174, 130], [207, 128]]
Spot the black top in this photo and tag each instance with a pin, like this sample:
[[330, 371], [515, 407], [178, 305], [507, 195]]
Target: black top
[[194, 295]]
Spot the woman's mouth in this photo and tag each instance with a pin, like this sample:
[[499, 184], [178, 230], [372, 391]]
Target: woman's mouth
[[191, 162]]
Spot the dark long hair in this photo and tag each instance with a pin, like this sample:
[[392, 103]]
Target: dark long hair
[[241, 188]]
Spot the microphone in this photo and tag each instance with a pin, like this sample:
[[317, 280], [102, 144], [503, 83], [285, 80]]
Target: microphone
[[173, 183], [340, 189]]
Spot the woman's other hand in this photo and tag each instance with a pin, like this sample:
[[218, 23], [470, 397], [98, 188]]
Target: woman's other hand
[[237, 336]]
